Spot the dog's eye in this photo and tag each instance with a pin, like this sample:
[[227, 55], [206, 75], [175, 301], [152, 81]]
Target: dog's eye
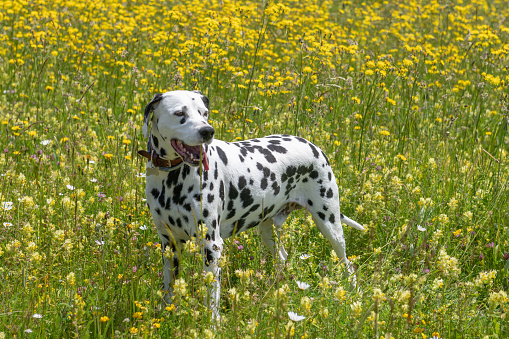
[[206, 114], [179, 114]]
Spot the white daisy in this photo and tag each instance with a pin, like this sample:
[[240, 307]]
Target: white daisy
[[93, 180], [45, 142], [37, 316], [91, 162], [302, 285], [143, 227], [420, 228], [99, 242], [7, 224], [28, 330], [7, 205], [295, 317], [141, 175], [304, 256], [71, 187]]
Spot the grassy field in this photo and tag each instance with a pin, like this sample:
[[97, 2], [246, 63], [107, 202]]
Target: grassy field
[[409, 99]]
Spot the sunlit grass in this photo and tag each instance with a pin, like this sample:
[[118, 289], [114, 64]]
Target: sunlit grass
[[409, 100]]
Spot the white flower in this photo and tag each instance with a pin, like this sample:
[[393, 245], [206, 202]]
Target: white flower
[[143, 227], [420, 228], [295, 317], [99, 242], [304, 256], [28, 330], [7, 205], [93, 180], [141, 175], [37, 316], [7, 224], [91, 162], [45, 142], [302, 285], [71, 187]]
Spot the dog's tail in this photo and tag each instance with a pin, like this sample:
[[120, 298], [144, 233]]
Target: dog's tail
[[350, 222]]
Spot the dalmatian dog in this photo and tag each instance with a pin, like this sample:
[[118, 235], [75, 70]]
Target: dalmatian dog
[[194, 180]]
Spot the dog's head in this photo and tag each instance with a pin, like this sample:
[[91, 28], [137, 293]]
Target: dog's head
[[181, 119]]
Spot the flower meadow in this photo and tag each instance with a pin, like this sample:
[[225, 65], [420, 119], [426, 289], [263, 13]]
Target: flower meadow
[[409, 100]]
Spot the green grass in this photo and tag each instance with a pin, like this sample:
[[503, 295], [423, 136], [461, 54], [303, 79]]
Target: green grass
[[408, 100]]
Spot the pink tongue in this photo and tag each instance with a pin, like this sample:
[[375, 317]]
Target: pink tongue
[[204, 160]]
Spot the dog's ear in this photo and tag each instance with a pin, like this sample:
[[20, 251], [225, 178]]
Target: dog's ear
[[203, 98], [148, 110]]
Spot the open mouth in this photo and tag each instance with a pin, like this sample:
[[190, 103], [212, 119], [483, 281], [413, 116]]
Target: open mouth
[[191, 154]]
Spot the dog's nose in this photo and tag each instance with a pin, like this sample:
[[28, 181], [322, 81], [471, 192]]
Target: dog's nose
[[207, 133]]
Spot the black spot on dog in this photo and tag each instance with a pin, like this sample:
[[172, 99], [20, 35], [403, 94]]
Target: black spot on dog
[[330, 176], [210, 198], [231, 214], [310, 202], [264, 183], [276, 188], [187, 207], [179, 223], [332, 218], [158, 211], [241, 158], [163, 152], [222, 155], [173, 176], [214, 226], [155, 192], [242, 182], [277, 149], [161, 199], [155, 141], [221, 190], [232, 192], [246, 197], [316, 154], [313, 174], [322, 192], [211, 186], [321, 215], [216, 173], [268, 155], [182, 121], [171, 221], [325, 208], [330, 194]]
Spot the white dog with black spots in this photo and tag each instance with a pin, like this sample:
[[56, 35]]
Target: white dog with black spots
[[229, 187]]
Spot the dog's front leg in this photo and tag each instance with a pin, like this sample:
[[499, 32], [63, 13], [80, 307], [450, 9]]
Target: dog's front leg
[[211, 256], [171, 268]]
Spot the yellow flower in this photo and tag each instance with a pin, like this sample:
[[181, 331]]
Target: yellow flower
[[133, 330], [49, 88], [126, 141], [104, 319], [108, 156]]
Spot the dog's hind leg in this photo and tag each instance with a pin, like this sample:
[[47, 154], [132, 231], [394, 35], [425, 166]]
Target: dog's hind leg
[[328, 222], [266, 233]]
